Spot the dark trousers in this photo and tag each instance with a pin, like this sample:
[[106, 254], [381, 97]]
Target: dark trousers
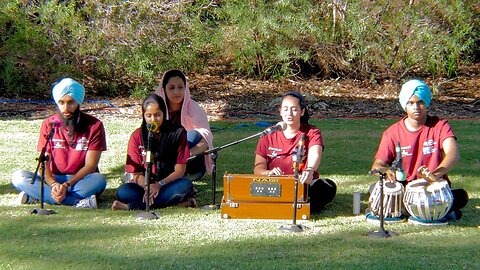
[[460, 199], [321, 193]]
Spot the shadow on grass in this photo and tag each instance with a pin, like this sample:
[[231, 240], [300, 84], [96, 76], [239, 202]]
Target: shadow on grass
[[7, 188], [35, 242], [470, 214], [203, 186], [342, 205]]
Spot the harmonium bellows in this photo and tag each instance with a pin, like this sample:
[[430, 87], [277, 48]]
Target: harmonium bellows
[[263, 197]]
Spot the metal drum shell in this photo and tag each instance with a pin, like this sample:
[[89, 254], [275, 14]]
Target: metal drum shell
[[428, 201], [392, 200]]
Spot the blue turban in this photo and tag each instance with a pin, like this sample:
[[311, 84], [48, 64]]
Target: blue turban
[[417, 88], [69, 87]]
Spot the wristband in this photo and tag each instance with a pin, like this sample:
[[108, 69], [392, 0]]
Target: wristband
[[53, 184]]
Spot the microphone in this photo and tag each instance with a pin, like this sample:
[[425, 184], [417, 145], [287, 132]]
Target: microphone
[[153, 127], [298, 157], [399, 172], [301, 152], [279, 126], [55, 123]]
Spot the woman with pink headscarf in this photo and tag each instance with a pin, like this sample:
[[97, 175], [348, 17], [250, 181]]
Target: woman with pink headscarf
[[181, 109]]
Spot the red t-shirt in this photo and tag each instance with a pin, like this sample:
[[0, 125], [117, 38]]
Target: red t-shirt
[[68, 156], [278, 150], [137, 154], [421, 147]]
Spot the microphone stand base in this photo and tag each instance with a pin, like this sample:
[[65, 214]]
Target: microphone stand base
[[209, 207], [147, 215], [293, 228], [43, 212], [381, 234]]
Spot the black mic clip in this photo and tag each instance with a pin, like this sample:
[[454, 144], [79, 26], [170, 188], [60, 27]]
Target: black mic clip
[[397, 164], [279, 126], [378, 170]]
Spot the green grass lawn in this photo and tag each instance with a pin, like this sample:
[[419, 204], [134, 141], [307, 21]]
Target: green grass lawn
[[198, 239]]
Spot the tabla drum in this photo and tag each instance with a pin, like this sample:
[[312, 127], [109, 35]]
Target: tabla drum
[[392, 200], [428, 201]]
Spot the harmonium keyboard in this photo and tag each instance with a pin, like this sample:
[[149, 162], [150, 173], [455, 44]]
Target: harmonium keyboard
[[252, 196]]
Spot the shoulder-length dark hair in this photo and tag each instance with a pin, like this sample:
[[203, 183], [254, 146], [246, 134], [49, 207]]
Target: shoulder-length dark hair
[[303, 105]]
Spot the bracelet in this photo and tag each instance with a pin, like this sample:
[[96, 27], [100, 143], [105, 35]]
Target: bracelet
[[68, 186], [53, 184], [310, 169]]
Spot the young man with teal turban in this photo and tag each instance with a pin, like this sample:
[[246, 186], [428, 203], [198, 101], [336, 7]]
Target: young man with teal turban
[[428, 145], [72, 176]]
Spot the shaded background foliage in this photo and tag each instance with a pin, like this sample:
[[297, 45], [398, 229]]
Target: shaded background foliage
[[119, 48]]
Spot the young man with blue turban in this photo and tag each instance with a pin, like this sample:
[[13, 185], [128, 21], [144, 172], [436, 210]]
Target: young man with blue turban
[[428, 145], [71, 172]]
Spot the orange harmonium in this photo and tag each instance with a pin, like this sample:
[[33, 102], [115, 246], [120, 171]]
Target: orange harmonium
[[263, 197]]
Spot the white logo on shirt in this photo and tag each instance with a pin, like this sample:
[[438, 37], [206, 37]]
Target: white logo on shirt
[[429, 147], [143, 152], [405, 152], [274, 152], [82, 144], [58, 143]]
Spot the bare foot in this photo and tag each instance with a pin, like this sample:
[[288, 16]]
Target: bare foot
[[189, 203], [117, 205]]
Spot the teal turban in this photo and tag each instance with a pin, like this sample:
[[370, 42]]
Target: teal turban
[[69, 87], [417, 88]]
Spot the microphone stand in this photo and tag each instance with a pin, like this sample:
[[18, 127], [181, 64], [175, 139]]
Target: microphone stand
[[147, 214], [381, 233], [294, 227], [214, 155], [41, 165]]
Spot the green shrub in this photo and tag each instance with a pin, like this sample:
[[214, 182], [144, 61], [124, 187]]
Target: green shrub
[[125, 46], [267, 39]]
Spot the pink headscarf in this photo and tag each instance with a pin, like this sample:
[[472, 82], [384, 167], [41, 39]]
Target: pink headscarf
[[193, 117]]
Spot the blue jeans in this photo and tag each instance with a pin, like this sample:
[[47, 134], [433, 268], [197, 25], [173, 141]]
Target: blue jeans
[[195, 168], [94, 183], [171, 194]]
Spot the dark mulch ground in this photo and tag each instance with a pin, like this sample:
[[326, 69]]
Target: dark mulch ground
[[229, 97]]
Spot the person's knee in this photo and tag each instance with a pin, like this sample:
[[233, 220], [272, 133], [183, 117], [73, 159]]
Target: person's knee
[[324, 186], [184, 184], [331, 184], [99, 180], [195, 176], [20, 177], [102, 182], [193, 137], [321, 193], [127, 192], [460, 197], [183, 187]]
